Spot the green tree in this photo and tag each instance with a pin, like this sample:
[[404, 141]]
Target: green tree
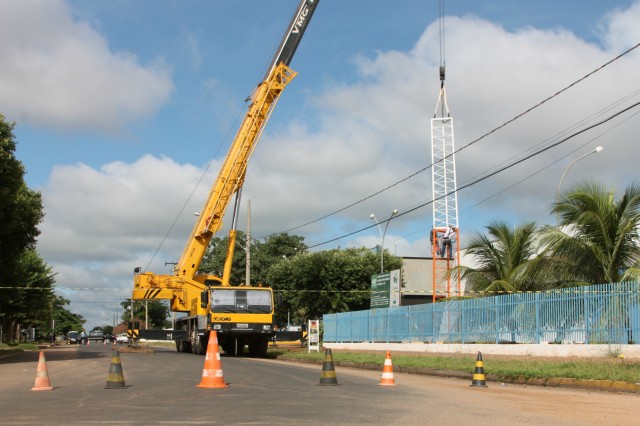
[[263, 255], [597, 239], [214, 258], [20, 213], [66, 321], [507, 259], [276, 248], [37, 280], [312, 284], [157, 310]]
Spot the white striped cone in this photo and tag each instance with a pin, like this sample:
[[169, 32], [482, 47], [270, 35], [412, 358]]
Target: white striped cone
[[212, 376], [387, 372]]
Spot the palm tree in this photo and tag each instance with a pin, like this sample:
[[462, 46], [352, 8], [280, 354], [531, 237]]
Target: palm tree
[[506, 258], [597, 237]]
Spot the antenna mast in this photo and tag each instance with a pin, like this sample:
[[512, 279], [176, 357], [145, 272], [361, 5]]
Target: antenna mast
[[444, 188]]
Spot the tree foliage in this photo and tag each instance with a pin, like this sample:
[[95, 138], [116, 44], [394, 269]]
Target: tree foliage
[[20, 213], [263, 256], [311, 284], [509, 259], [20, 207], [155, 311], [27, 296], [597, 240]]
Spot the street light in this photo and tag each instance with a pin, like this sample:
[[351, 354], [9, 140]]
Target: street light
[[595, 151], [382, 235]]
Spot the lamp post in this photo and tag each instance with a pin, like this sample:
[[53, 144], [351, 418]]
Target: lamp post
[[382, 235], [594, 151]]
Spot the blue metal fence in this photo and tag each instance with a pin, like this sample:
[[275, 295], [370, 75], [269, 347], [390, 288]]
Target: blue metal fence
[[606, 313]]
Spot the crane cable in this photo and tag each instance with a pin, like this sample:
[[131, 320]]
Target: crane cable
[[443, 62], [473, 142]]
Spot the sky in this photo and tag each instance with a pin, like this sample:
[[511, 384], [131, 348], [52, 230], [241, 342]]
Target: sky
[[125, 109]]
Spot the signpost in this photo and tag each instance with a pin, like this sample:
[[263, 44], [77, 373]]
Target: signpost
[[385, 290], [314, 335]]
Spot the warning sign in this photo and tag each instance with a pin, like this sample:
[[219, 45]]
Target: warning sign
[[314, 335]]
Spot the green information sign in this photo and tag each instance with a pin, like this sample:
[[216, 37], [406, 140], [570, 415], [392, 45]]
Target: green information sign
[[385, 290]]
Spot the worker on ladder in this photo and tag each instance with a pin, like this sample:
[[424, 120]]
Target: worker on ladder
[[445, 247]]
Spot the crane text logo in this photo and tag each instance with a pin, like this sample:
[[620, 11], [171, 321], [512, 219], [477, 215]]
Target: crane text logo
[[222, 318], [300, 20]]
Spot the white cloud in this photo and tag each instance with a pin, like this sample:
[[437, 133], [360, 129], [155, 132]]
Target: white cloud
[[620, 29], [100, 224], [60, 73]]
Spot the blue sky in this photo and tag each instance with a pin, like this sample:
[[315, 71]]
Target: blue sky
[[121, 105]]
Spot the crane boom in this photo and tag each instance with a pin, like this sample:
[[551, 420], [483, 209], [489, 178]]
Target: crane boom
[[186, 288]]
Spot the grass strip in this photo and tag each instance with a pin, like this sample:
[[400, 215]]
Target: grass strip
[[595, 369]]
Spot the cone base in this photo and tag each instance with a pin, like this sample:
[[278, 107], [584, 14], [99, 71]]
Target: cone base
[[42, 388], [387, 384], [115, 386], [224, 385]]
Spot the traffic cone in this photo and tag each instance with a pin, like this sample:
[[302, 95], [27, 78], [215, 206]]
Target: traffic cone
[[387, 372], [478, 374], [328, 374], [212, 376], [42, 376], [115, 378]]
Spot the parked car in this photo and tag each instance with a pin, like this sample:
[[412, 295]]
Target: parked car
[[72, 338], [122, 338]]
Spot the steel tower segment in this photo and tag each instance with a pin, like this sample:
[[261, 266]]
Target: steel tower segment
[[445, 232], [443, 170], [446, 276]]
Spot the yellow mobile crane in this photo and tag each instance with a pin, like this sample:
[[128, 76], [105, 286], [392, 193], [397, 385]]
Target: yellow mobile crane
[[241, 315]]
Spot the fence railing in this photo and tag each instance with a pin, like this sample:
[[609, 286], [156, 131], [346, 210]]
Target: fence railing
[[606, 313]]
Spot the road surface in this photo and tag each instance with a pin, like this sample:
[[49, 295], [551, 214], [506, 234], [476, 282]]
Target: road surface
[[161, 389]]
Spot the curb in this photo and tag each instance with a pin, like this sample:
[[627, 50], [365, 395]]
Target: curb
[[555, 382]]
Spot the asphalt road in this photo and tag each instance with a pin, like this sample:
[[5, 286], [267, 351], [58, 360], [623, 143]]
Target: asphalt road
[[161, 389]]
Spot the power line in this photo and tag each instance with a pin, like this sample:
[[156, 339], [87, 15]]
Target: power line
[[467, 145], [491, 174]]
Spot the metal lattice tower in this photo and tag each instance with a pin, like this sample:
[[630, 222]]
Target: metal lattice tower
[[445, 200], [443, 171]]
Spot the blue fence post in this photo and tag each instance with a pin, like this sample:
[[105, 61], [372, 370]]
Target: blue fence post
[[387, 325], [462, 327], [497, 319], [585, 300], [538, 332]]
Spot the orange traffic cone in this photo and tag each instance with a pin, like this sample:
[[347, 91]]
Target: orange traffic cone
[[42, 376], [212, 376], [387, 372]]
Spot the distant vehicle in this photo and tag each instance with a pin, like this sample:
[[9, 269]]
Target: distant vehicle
[[96, 335], [122, 338], [72, 338]]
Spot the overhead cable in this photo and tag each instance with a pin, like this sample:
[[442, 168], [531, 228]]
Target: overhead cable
[[467, 145]]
